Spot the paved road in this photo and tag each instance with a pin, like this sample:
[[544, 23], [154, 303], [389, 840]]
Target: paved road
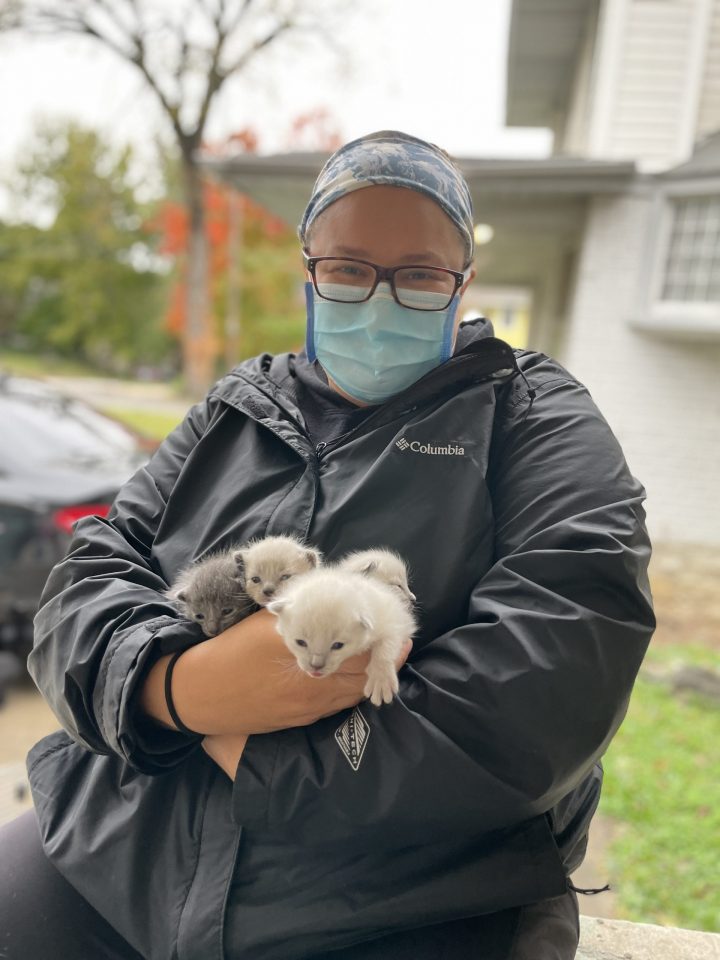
[[24, 719]]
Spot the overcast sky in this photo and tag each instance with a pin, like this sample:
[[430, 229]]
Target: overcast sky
[[437, 71]]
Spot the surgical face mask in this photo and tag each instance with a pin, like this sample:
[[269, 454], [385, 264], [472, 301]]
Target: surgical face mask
[[375, 349]]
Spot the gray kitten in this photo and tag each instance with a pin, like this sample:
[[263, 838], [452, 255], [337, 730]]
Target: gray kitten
[[266, 566], [211, 593], [330, 614], [384, 564]]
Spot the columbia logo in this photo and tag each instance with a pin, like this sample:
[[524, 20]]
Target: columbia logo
[[432, 449]]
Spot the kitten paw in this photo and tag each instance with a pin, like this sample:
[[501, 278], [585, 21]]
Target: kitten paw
[[381, 688]]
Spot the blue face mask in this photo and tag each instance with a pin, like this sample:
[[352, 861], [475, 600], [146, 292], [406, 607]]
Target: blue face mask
[[375, 349]]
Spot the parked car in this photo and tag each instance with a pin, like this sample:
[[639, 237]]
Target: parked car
[[60, 459]]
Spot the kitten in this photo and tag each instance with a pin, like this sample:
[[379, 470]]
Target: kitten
[[266, 566], [384, 564], [330, 614], [210, 592]]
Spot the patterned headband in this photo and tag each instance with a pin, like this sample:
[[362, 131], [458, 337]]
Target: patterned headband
[[394, 159]]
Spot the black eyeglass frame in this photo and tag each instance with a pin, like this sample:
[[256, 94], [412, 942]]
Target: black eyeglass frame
[[387, 273]]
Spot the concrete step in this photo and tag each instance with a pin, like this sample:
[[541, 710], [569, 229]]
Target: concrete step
[[620, 940]]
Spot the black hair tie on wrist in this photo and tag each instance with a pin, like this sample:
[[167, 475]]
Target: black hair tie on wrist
[[169, 700]]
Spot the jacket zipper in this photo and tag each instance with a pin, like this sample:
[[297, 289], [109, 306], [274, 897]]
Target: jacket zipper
[[322, 447]]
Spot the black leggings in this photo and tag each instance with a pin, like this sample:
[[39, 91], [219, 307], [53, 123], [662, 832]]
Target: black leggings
[[43, 918]]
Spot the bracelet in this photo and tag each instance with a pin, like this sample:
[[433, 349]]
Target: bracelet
[[169, 700]]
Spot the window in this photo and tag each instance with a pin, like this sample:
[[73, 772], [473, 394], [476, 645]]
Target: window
[[692, 267], [678, 290]]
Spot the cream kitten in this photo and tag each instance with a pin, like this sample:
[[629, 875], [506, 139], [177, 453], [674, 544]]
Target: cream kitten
[[266, 566], [329, 614], [384, 564]]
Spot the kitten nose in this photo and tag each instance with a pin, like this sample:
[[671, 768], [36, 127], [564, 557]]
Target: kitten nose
[[268, 591], [316, 660]]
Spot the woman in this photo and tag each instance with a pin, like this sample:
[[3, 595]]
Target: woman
[[444, 825]]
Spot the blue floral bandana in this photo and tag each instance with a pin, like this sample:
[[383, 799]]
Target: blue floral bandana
[[394, 159]]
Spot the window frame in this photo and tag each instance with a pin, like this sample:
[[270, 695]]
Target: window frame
[[683, 319]]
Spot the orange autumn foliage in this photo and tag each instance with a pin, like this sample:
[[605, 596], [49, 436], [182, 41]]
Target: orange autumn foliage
[[171, 223]]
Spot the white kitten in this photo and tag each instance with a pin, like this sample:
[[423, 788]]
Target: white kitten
[[266, 566], [385, 565], [329, 614]]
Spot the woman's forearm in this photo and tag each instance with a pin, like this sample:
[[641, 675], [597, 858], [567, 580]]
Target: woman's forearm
[[246, 681]]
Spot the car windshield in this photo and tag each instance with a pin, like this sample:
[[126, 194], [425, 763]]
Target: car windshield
[[43, 431]]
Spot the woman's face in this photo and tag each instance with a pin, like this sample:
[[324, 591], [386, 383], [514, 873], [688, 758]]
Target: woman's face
[[389, 226]]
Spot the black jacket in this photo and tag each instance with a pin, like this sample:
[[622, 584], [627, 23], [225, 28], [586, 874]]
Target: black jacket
[[510, 498]]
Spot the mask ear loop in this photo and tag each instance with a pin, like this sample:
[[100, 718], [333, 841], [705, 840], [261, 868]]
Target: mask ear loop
[[310, 328], [447, 345]]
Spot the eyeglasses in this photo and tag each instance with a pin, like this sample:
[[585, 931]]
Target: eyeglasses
[[419, 287]]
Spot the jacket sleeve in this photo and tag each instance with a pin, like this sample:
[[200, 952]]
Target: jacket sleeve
[[103, 619], [500, 718]]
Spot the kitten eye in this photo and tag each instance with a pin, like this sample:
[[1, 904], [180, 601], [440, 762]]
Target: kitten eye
[[301, 643], [255, 579], [286, 576], [199, 616], [337, 646], [226, 611]]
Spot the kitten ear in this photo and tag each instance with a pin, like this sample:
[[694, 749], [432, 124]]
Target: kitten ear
[[370, 568], [277, 606], [179, 595], [239, 558], [313, 557], [365, 620]]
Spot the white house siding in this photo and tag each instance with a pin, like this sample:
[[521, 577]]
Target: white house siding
[[661, 398], [709, 112], [574, 139], [650, 82]]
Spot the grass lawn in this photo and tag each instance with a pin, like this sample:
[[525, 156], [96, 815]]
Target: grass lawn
[[662, 788], [34, 365], [149, 423]]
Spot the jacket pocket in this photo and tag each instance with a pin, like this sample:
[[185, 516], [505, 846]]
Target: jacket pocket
[[569, 820]]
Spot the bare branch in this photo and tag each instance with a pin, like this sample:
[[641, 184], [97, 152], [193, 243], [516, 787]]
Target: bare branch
[[248, 54], [234, 22], [215, 77], [111, 11]]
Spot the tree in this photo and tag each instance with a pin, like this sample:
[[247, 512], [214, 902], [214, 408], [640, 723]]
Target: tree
[[186, 53], [254, 263], [89, 283]]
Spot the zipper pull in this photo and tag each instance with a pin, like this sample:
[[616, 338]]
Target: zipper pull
[[319, 449]]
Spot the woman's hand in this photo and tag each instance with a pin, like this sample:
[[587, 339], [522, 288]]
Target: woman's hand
[[226, 748], [246, 681]]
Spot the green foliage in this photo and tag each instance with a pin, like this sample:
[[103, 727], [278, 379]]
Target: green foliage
[[272, 300], [87, 285], [662, 776]]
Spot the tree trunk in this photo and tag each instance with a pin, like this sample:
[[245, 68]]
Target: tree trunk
[[233, 315], [199, 340]]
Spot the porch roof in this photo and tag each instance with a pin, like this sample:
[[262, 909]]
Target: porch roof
[[546, 37], [283, 182]]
